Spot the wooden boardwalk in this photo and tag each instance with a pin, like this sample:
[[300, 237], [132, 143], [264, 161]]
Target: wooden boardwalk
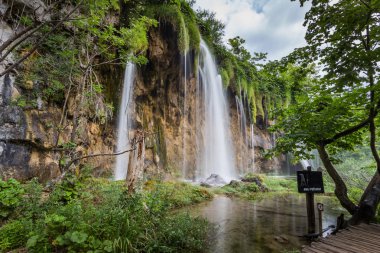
[[355, 239]]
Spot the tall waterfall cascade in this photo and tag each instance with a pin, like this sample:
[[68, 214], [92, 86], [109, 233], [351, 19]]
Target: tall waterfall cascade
[[125, 123], [215, 147]]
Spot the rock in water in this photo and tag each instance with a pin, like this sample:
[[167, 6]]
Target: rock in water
[[213, 180]]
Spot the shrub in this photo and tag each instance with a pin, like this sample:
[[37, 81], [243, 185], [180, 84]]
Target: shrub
[[14, 234], [89, 215], [11, 193]]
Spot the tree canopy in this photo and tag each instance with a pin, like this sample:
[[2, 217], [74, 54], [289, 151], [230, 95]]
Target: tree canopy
[[340, 109]]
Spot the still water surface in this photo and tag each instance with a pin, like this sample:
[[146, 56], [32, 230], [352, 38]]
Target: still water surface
[[273, 224]]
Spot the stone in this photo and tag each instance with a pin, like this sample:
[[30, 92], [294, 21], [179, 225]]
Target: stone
[[12, 123], [37, 7], [14, 161], [213, 180], [234, 183]]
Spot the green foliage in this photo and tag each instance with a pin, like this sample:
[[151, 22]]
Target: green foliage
[[68, 61], [319, 118], [88, 215], [342, 37], [11, 193], [357, 168], [340, 99], [211, 28]]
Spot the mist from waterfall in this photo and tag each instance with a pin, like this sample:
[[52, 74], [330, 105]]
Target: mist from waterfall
[[216, 152], [124, 123]]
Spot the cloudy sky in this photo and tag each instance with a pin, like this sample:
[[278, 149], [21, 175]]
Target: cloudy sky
[[272, 26]]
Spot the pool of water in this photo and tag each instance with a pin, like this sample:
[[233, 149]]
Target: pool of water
[[273, 224]]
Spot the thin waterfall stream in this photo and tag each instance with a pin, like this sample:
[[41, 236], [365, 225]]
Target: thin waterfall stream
[[124, 123]]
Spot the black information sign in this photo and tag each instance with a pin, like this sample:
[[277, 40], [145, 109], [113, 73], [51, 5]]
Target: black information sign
[[310, 182]]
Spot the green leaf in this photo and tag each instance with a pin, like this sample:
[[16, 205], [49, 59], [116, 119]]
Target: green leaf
[[32, 241], [78, 237]]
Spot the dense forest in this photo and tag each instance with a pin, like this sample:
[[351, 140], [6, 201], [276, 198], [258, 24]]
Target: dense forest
[[62, 70]]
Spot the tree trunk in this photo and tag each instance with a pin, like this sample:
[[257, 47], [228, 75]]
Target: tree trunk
[[368, 204], [136, 162], [371, 196], [340, 186]]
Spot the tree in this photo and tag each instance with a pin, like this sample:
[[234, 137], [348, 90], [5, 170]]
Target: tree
[[210, 27], [342, 109]]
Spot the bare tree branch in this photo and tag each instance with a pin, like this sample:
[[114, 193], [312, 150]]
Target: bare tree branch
[[15, 37], [21, 39], [39, 42], [67, 166]]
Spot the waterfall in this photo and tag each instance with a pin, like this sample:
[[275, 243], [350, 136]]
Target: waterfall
[[252, 146], [315, 162], [244, 158], [185, 115], [124, 123], [215, 146]]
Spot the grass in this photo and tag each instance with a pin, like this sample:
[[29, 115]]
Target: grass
[[283, 185], [267, 186]]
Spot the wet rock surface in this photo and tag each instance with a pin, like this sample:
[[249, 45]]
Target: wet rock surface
[[213, 180]]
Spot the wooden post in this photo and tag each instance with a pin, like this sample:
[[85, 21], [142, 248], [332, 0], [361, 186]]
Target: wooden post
[[320, 210], [310, 210]]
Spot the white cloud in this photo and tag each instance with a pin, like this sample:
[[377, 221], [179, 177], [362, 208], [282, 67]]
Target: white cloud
[[272, 26]]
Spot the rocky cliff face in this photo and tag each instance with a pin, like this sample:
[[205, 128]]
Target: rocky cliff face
[[34, 139], [35, 142]]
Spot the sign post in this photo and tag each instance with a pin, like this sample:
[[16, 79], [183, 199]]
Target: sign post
[[310, 182], [320, 210]]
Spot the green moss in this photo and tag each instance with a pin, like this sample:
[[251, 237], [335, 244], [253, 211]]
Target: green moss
[[182, 17], [244, 84], [259, 105], [225, 77]]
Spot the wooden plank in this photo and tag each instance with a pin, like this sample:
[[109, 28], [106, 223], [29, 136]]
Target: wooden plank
[[318, 250], [360, 238], [361, 233], [330, 248], [344, 246], [357, 247], [356, 238], [366, 230]]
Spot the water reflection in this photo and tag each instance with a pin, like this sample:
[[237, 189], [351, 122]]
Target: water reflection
[[270, 225]]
